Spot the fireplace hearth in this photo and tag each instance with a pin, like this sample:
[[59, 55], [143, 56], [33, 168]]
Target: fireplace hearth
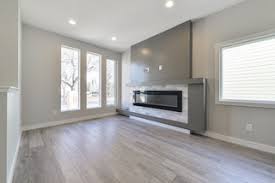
[[167, 100]]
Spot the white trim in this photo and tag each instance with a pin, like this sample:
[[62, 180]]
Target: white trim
[[66, 121], [70, 110], [182, 130], [6, 89], [249, 38], [218, 69], [242, 142], [244, 103], [14, 161]]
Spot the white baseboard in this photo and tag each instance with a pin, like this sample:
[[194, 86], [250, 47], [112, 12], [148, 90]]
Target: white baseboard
[[67, 121], [245, 143], [13, 165], [182, 130]]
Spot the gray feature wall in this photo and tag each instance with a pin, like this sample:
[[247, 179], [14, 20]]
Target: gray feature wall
[[171, 49], [249, 17], [41, 76]]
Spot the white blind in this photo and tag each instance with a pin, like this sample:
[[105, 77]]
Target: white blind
[[248, 71]]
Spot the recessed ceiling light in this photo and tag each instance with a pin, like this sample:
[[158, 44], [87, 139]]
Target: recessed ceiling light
[[72, 21], [114, 38], [169, 4]]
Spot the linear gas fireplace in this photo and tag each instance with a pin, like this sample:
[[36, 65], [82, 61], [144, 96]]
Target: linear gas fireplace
[[168, 100]]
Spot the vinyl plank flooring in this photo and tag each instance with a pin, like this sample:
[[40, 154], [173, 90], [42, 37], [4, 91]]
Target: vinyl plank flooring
[[122, 150]]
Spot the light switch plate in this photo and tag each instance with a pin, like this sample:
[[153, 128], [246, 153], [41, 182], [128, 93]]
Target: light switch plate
[[160, 67]]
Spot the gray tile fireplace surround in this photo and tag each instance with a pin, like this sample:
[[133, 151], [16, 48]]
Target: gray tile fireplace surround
[[193, 115]]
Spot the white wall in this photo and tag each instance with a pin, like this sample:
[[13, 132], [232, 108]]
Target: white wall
[[247, 18], [41, 67]]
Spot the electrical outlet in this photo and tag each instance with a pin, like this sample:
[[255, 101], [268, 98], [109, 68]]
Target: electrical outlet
[[249, 127]]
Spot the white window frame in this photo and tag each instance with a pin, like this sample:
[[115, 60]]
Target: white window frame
[[218, 70], [79, 73], [116, 83], [100, 79]]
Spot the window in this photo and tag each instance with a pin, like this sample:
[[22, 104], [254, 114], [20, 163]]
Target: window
[[70, 81], [93, 80], [247, 71], [111, 82]]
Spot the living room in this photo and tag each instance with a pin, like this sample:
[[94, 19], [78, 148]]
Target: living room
[[137, 91]]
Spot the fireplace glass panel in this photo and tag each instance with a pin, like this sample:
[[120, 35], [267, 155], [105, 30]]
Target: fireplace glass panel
[[169, 100], [163, 100]]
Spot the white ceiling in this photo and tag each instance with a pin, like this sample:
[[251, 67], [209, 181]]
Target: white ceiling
[[131, 21]]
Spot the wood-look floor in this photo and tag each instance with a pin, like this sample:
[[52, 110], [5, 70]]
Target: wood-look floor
[[121, 150]]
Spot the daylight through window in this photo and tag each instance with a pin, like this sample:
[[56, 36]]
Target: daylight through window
[[247, 71], [93, 80], [111, 82], [70, 79]]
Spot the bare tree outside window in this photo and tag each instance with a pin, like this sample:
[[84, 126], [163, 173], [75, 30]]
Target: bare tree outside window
[[111, 82], [70, 94], [93, 80]]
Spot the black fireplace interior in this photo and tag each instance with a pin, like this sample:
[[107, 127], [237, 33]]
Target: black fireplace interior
[[168, 100]]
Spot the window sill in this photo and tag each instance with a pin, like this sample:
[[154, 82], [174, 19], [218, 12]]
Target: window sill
[[73, 110], [254, 104], [92, 108]]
